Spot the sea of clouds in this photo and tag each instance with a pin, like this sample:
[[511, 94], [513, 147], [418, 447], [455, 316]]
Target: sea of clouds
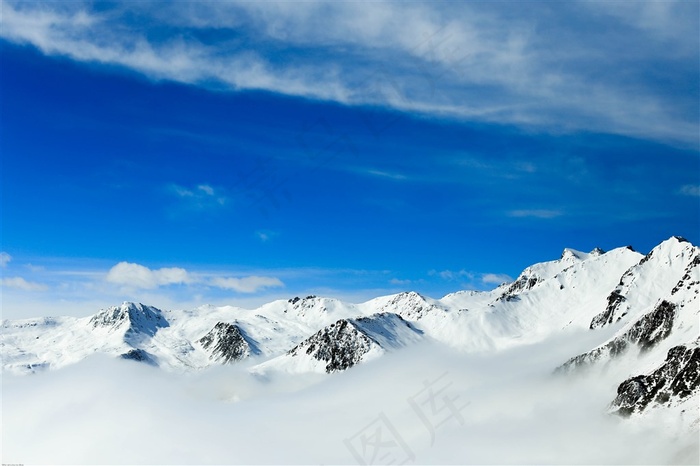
[[426, 404]]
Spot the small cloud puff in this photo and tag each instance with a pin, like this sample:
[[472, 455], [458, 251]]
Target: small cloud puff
[[139, 276], [265, 235], [249, 284], [200, 197], [5, 258], [22, 284], [495, 278]]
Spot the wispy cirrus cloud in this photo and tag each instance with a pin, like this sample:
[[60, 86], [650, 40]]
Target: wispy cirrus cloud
[[535, 213], [249, 284], [202, 196], [690, 190], [452, 274], [495, 278], [569, 66]]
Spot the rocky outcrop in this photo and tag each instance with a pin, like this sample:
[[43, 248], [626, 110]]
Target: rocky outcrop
[[227, 343], [138, 355], [606, 317], [131, 317], [676, 379], [347, 342], [340, 345], [645, 333]]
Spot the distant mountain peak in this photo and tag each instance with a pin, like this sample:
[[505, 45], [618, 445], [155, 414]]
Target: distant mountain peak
[[572, 254], [130, 317], [597, 252]]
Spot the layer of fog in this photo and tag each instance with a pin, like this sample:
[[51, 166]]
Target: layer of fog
[[510, 409]]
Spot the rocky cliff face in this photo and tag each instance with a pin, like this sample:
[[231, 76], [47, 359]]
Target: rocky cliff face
[[645, 333], [677, 379], [130, 317], [340, 345], [226, 343]]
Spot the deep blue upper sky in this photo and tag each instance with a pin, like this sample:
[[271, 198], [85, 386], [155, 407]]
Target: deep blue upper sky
[[311, 176]]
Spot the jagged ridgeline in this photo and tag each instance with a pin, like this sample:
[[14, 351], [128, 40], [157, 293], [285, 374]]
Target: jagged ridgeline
[[649, 303]]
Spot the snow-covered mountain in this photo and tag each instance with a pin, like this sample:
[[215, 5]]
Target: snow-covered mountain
[[642, 310]]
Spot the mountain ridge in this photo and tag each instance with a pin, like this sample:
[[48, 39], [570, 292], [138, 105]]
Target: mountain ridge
[[650, 303]]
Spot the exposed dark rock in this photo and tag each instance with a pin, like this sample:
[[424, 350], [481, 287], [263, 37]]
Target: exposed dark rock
[[341, 345], [523, 283], [138, 355], [685, 280], [677, 378], [134, 317], [645, 333], [227, 343], [652, 327], [615, 298]]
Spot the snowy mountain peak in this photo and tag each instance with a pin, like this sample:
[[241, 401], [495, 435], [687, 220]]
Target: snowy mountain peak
[[596, 252], [661, 273], [410, 305], [130, 316], [572, 255]]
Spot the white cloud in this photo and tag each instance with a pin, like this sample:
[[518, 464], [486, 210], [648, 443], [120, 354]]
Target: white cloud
[[5, 259], [535, 213], [249, 284], [22, 284], [690, 190], [495, 278], [397, 281], [467, 60], [200, 197], [265, 235], [138, 276], [452, 274], [383, 174]]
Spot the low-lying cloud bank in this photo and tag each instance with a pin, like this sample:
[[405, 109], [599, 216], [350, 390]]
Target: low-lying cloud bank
[[424, 404]]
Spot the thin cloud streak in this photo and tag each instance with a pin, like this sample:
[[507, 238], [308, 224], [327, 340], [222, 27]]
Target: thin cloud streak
[[535, 213], [20, 283]]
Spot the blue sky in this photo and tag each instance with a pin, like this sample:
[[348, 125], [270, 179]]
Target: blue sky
[[235, 152]]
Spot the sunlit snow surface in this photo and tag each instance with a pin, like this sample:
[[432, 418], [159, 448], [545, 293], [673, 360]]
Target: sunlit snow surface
[[468, 378]]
